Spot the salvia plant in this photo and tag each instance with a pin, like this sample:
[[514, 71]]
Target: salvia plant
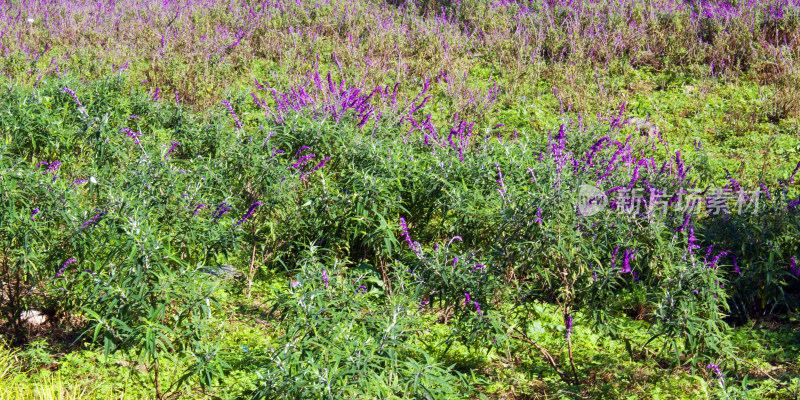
[[337, 192]]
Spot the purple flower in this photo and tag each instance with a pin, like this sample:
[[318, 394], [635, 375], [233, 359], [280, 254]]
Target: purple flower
[[302, 161], [172, 148], [626, 260], [74, 96], [614, 257], [475, 303], [295, 284], [54, 166], [679, 163], [233, 113], [794, 267], [321, 164], [502, 188], [736, 265], [64, 267], [33, 213], [258, 86], [718, 372], [197, 208], [249, 213], [691, 246], [219, 207], [715, 260], [361, 289], [478, 266], [131, 134], [325, 277], [794, 204], [415, 246], [568, 325], [791, 178], [221, 212], [94, 220]]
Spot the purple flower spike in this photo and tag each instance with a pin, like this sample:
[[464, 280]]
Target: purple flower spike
[[321, 164], [325, 277], [302, 161], [468, 299], [721, 378], [233, 113], [736, 265], [502, 188], [74, 96], [626, 261], [64, 267], [249, 213], [33, 213], [794, 173], [54, 166], [415, 246], [795, 269], [93, 221], [568, 325], [221, 212], [614, 257]]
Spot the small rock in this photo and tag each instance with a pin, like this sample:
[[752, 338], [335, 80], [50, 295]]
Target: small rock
[[33, 317], [644, 126], [223, 271]]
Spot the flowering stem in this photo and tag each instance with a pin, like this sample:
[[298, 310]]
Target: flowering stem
[[252, 263]]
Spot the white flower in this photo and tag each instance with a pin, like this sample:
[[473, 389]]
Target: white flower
[[30, 20]]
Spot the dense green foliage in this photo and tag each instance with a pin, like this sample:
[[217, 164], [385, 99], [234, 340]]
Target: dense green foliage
[[436, 217]]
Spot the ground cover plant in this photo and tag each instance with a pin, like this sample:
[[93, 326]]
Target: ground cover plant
[[366, 199]]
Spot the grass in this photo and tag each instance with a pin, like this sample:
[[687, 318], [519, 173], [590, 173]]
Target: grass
[[510, 372]]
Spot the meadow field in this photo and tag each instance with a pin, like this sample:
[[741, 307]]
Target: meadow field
[[421, 199]]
